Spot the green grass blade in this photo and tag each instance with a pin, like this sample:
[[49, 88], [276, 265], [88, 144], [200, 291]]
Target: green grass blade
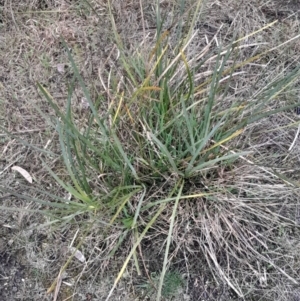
[[164, 150], [137, 243], [210, 163], [118, 144], [104, 130], [169, 238]]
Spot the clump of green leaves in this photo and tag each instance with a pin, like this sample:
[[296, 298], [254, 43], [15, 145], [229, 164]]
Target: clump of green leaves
[[160, 125]]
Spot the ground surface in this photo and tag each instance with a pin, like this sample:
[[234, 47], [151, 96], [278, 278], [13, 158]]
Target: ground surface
[[30, 52]]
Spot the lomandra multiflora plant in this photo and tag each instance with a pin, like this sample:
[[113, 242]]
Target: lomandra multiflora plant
[[159, 154]]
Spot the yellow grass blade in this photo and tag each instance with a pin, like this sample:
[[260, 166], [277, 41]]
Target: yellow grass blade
[[119, 107], [138, 241], [224, 140]]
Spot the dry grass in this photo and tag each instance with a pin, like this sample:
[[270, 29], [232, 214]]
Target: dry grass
[[253, 208]]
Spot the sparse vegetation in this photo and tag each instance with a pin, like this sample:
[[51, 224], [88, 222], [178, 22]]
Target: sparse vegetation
[[165, 152]]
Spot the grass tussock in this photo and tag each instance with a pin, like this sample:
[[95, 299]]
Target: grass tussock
[[164, 157]]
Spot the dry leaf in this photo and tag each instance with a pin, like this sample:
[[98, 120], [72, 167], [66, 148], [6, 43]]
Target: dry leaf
[[60, 68], [77, 254], [84, 103], [23, 172]]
